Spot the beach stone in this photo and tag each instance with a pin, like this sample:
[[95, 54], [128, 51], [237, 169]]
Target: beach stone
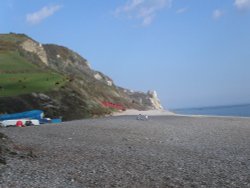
[[167, 151]]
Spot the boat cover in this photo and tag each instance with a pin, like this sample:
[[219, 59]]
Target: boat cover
[[33, 114]]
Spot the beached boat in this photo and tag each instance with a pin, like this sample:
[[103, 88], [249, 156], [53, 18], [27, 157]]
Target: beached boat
[[13, 122], [33, 114], [36, 117]]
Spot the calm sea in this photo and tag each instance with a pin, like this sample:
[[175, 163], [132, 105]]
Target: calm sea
[[233, 110]]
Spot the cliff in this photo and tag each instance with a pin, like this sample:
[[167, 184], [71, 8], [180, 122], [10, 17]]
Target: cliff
[[59, 81]]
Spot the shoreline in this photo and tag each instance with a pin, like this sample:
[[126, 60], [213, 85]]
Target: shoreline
[[133, 112]]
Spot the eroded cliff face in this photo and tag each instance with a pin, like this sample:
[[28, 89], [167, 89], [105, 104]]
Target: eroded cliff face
[[66, 61], [83, 90], [36, 48], [145, 101], [153, 97]]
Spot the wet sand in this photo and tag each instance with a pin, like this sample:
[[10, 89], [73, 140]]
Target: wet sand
[[165, 151]]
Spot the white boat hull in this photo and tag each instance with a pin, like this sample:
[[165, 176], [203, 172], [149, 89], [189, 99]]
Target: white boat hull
[[7, 123]]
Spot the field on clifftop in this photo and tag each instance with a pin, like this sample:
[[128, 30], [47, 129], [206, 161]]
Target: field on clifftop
[[18, 76]]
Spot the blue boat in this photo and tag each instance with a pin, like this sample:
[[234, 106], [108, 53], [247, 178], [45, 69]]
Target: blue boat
[[58, 120], [33, 114], [48, 120]]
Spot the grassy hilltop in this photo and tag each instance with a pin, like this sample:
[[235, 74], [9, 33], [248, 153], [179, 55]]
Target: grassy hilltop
[[19, 75], [57, 80]]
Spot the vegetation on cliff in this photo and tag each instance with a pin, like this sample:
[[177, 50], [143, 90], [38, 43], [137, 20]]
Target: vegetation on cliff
[[57, 80]]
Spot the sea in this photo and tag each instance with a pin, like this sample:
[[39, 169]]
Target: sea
[[242, 110]]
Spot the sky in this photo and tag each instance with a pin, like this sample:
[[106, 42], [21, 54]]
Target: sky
[[193, 53]]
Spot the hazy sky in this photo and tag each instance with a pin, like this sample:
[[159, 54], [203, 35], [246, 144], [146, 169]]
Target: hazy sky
[[192, 52]]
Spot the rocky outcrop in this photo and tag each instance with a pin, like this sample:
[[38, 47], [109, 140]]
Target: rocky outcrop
[[153, 97], [101, 77], [147, 101], [37, 48], [66, 61]]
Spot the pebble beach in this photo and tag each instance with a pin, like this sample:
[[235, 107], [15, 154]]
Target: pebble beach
[[120, 151]]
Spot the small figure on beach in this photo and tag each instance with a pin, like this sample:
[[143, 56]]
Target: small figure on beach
[[139, 117], [142, 117]]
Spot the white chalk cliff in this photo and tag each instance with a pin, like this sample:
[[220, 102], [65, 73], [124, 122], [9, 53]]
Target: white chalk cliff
[[153, 97]]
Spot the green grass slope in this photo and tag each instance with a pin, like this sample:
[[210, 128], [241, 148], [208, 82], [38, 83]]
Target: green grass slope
[[23, 83], [12, 62], [18, 76]]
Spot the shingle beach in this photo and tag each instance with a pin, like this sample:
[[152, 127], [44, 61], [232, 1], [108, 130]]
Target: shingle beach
[[165, 151]]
